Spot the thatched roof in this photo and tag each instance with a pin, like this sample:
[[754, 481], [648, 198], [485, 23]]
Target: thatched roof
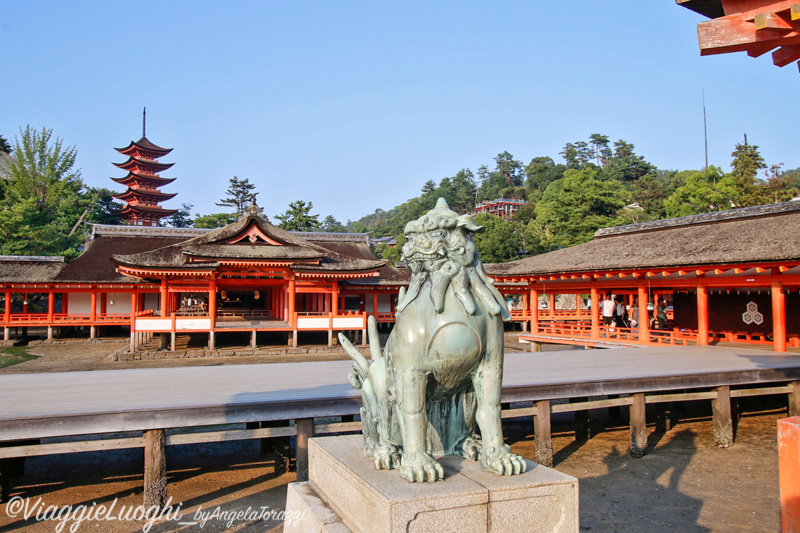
[[751, 235], [29, 269], [268, 243]]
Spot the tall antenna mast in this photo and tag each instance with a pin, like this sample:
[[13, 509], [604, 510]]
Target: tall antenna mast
[[144, 121], [705, 127]]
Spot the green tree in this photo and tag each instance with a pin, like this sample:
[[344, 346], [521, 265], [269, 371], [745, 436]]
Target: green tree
[[299, 218], [542, 171], [215, 220], [240, 195], [4, 146], [182, 217], [498, 242], [103, 206], [601, 150], [576, 206], [747, 161], [625, 165], [781, 186], [43, 202], [332, 225], [700, 194]]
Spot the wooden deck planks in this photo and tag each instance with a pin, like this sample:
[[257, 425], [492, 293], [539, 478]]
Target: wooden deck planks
[[72, 403]]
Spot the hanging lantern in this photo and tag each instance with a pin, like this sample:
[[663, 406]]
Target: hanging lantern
[[257, 295], [224, 294]]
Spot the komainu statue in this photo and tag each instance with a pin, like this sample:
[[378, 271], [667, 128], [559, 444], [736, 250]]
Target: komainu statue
[[440, 375]]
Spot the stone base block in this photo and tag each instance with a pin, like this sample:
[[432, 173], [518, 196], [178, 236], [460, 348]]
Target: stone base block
[[346, 493]]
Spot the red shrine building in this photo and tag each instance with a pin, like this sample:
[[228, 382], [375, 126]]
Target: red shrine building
[[143, 182], [501, 207], [248, 276], [728, 276]]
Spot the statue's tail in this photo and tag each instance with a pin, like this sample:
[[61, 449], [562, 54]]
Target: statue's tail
[[360, 363]]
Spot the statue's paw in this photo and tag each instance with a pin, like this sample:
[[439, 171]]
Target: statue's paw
[[420, 466], [501, 461], [387, 457], [470, 448]]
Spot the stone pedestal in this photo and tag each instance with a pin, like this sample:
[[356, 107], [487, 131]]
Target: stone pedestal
[[345, 493]]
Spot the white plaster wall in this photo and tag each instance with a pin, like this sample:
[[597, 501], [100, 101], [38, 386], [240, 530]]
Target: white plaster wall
[[122, 303], [80, 303]]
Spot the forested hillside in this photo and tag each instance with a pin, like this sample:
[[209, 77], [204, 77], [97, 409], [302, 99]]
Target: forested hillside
[[599, 184], [45, 207]]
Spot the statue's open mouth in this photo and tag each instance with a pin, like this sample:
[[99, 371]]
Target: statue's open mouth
[[430, 261]]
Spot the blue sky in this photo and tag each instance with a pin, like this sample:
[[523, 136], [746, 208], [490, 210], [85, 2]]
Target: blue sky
[[355, 105]]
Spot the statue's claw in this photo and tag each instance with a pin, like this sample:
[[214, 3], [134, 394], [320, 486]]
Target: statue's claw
[[501, 461], [421, 467], [470, 448], [387, 457]]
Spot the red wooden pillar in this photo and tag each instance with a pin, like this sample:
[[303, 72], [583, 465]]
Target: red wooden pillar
[[65, 302], [644, 314], [789, 467], [51, 306], [164, 294], [212, 303], [577, 305], [335, 299], [534, 311], [552, 305], [595, 313], [291, 298], [25, 303], [702, 316], [103, 303], [7, 308], [93, 306], [778, 316], [375, 304]]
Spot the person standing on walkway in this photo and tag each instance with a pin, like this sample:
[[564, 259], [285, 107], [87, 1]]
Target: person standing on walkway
[[607, 307]]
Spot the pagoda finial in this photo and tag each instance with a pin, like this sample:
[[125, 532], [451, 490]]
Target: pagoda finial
[[144, 122]]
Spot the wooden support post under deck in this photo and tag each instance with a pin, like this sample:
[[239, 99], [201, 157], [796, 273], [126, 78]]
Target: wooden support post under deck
[[155, 468], [789, 467], [778, 316], [253, 339], [702, 316], [543, 439], [581, 422], [794, 399], [6, 466], [211, 341], [638, 425], [305, 430], [723, 421]]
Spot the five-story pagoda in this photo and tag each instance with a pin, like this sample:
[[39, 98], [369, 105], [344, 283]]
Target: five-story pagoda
[[143, 182]]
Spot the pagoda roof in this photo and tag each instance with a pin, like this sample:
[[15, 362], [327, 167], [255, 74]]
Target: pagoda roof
[[144, 145], [131, 176], [133, 161], [252, 239], [751, 235], [129, 193], [145, 209]]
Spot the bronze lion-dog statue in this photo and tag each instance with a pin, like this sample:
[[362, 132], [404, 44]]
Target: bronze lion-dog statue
[[439, 378]]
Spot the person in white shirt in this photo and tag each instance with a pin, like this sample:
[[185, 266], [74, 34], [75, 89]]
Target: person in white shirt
[[607, 307]]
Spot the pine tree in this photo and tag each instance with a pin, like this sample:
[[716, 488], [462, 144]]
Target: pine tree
[[240, 195], [299, 218]]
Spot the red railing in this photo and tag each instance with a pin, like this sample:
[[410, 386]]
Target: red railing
[[581, 333]]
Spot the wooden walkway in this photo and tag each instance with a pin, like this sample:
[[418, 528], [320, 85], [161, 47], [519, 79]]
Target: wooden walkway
[[35, 406]]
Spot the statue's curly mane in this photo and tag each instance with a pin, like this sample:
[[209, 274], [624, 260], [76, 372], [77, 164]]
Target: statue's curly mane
[[439, 247]]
